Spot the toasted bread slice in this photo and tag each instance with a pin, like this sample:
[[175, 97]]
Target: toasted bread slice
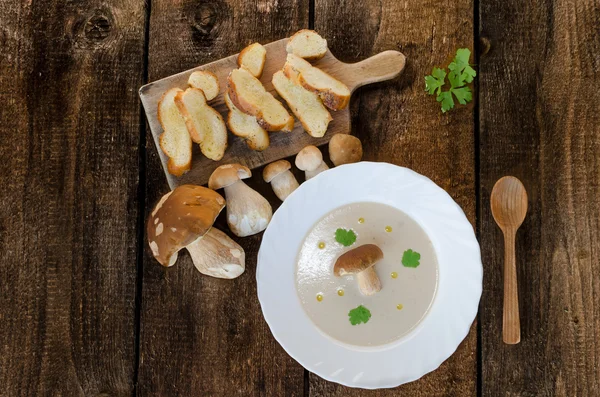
[[205, 81], [305, 104], [205, 124], [248, 94], [246, 126], [175, 140], [252, 58], [334, 94], [307, 44], [290, 126]]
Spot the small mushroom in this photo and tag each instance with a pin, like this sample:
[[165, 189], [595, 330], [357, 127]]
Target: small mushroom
[[345, 149], [310, 160], [248, 212], [281, 179], [183, 218], [360, 261]]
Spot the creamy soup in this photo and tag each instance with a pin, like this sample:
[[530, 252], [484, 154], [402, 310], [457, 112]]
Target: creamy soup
[[408, 274]]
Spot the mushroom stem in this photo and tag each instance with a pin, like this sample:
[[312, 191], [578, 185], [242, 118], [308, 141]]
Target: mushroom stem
[[248, 212], [368, 282], [217, 255], [284, 184], [311, 174]]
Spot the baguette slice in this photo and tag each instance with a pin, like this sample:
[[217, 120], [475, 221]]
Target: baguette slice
[[205, 81], [248, 95], [175, 140], [205, 124], [305, 104], [307, 44], [252, 58], [246, 126], [334, 94]]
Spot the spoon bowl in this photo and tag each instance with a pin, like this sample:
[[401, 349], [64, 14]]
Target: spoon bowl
[[509, 203]]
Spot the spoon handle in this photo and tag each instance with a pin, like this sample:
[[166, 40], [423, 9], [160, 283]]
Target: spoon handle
[[511, 332]]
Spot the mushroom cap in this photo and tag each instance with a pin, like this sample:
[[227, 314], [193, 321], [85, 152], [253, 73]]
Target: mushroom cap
[[357, 260], [274, 169], [228, 174], [345, 149], [309, 158], [181, 217]]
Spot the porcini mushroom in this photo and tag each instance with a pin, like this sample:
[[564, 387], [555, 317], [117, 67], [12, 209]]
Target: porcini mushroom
[[281, 179], [310, 160], [345, 149], [183, 218], [248, 212], [360, 261]]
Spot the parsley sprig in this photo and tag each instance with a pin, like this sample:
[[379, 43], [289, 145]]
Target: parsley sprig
[[461, 73]]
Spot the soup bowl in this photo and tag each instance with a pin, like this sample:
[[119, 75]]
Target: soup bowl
[[437, 334]]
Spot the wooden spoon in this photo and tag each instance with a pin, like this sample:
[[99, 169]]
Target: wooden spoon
[[509, 207]]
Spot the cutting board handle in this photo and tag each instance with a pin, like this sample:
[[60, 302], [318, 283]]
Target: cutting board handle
[[383, 66]]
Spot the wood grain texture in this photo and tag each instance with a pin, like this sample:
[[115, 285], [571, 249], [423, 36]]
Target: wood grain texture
[[202, 336], [69, 123], [383, 66], [398, 123], [539, 120]]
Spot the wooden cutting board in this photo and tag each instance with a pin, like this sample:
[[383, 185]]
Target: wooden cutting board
[[383, 66]]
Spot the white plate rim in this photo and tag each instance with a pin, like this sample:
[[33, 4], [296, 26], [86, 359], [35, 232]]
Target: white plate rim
[[459, 287]]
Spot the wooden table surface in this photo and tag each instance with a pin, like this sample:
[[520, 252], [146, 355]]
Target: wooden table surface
[[84, 308]]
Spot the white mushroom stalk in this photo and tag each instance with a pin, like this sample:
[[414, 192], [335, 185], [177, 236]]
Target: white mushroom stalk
[[310, 160], [183, 218], [248, 212], [217, 255], [282, 181]]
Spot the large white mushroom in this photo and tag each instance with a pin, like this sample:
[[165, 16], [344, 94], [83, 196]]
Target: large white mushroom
[[282, 181], [183, 218], [310, 160], [248, 212]]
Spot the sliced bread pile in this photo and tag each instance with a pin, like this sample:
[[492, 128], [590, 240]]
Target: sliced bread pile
[[186, 117], [307, 89]]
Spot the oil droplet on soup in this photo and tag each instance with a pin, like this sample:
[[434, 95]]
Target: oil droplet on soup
[[319, 297], [321, 245], [394, 275], [399, 306], [361, 220], [340, 292], [388, 229]]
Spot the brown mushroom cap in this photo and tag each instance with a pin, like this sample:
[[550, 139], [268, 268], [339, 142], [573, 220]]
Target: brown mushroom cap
[[345, 149], [274, 169], [228, 174], [181, 217], [357, 260], [309, 158]]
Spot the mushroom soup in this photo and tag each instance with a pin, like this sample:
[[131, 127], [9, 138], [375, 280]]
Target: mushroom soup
[[338, 288]]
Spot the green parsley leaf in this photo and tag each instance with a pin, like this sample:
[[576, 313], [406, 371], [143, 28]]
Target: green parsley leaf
[[461, 73], [435, 81], [446, 99], [463, 95], [359, 315], [411, 258], [345, 237]]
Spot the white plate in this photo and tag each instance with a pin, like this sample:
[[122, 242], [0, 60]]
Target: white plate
[[459, 286]]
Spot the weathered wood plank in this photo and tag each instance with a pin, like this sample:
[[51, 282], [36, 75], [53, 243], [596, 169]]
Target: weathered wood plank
[[70, 132], [540, 122], [398, 123], [200, 335]]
